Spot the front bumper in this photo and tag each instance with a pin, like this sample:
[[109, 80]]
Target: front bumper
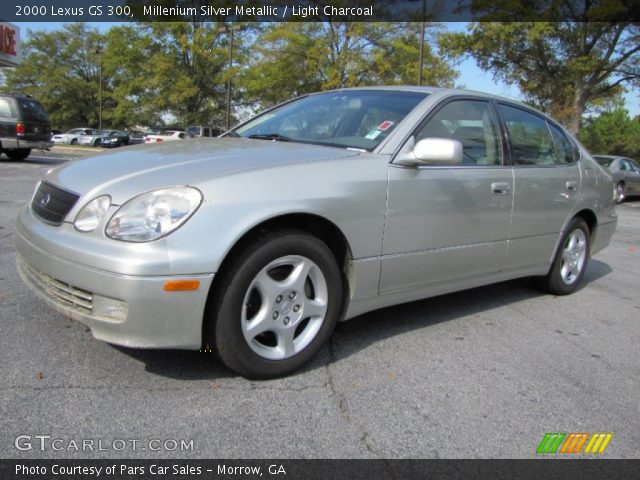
[[148, 316]]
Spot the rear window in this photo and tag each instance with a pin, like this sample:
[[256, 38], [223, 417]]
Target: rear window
[[605, 162], [32, 111], [5, 108]]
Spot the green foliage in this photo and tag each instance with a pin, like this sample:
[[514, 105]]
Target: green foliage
[[180, 71], [61, 69], [561, 67], [296, 58], [612, 132]]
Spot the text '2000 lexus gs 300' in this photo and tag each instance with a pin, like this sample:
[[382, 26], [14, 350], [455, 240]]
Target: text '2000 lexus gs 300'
[[323, 208]]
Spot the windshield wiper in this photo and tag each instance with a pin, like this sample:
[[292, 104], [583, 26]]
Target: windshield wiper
[[271, 136]]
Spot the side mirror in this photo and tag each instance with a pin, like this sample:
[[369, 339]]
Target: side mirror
[[437, 151]]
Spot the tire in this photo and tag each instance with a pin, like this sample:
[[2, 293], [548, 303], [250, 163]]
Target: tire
[[252, 296], [620, 193], [570, 262], [18, 153], [74, 141]]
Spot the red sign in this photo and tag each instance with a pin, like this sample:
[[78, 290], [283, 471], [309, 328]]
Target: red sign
[[7, 40]]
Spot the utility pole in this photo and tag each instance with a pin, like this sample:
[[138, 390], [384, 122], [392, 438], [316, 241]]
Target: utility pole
[[230, 29], [422, 28], [99, 52]]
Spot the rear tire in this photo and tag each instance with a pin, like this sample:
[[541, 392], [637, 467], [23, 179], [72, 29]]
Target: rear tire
[[275, 305], [620, 193], [571, 260], [18, 153]]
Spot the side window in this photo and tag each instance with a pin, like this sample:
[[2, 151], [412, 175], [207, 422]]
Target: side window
[[205, 132], [472, 123], [531, 142], [5, 108], [624, 165], [564, 147]]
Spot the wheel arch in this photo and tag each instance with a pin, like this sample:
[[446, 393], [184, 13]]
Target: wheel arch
[[590, 218], [314, 224]]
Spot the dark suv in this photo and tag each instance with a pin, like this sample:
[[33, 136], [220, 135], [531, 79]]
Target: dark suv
[[23, 125]]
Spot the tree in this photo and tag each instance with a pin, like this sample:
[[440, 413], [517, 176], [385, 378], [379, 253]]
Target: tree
[[60, 69], [292, 59], [613, 132], [187, 70], [561, 67]]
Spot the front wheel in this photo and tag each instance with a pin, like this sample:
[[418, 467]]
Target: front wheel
[[276, 304], [570, 263], [18, 153]]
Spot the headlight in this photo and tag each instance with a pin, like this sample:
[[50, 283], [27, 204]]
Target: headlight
[[90, 216], [154, 214]]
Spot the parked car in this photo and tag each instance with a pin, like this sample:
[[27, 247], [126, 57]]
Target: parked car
[[137, 136], [95, 138], [73, 135], [255, 244], [55, 131], [626, 174], [24, 125], [196, 132], [165, 136], [116, 138]]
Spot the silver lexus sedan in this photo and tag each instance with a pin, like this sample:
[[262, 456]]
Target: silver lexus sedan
[[326, 207]]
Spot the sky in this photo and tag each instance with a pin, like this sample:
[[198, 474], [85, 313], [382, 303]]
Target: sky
[[471, 76]]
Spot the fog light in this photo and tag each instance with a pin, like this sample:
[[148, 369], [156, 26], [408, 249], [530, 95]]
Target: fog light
[[109, 308]]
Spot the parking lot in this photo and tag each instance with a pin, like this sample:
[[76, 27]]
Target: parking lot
[[482, 373]]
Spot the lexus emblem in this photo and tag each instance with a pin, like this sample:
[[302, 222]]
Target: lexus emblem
[[44, 201]]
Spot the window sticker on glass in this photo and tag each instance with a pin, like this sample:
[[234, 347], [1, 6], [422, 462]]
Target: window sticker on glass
[[373, 134], [386, 125]]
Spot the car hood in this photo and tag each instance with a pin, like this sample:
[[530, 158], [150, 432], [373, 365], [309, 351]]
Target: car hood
[[187, 162]]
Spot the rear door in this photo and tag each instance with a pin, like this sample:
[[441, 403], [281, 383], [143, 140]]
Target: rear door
[[546, 184], [35, 119]]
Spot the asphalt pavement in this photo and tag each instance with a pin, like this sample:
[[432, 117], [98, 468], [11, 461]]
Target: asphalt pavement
[[481, 373]]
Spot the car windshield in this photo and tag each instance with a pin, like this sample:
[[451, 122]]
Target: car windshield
[[604, 161], [32, 111], [76, 131], [358, 119]]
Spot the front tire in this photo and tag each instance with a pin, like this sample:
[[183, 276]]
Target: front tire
[[18, 153], [571, 260], [276, 304]]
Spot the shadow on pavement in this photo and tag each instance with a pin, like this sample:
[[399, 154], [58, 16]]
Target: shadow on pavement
[[358, 333]]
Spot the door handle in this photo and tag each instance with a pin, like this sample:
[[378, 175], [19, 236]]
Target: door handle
[[572, 186], [500, 188]]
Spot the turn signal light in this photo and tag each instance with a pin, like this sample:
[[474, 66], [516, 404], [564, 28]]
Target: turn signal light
[[181, 285]]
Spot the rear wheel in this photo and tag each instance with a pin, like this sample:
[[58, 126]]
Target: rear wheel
[[18, 153], [276, 305], [620, 193], [74, 141], [570, 263]]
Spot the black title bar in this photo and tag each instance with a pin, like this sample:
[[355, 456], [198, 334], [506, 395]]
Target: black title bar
[[319, 10]]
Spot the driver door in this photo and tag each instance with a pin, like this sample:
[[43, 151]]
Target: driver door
[[447, 223]]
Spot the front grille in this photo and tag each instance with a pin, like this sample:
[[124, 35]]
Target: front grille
[[59, 292], [52, 203]]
